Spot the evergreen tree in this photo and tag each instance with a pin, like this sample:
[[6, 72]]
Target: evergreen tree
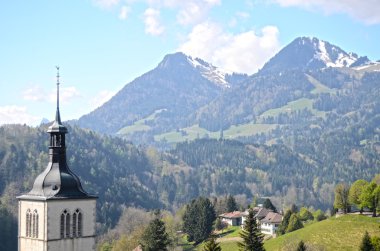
[[212, 245], [8, 230], [301, 246], [198, 220], [252, 238], [268, 204], [155, 237], [294, 224], [285, 222], [231, 204], [254, 202], [366, 244], [293, 208]]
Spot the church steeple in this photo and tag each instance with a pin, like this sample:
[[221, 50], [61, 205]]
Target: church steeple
[[57, 214], [57, 181]]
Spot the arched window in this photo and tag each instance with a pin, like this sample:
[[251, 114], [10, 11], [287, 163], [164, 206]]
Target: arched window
[[28, 223], [65, 224], [77, 223], [35, 224]]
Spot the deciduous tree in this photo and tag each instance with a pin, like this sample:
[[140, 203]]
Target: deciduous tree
[[370, 197], [355, 191], [341, 197], [305, 214]]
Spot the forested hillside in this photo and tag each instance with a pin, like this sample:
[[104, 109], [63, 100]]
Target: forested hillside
[[116, 171], [123, 174]]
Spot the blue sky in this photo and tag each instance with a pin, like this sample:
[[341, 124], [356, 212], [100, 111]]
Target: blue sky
[[101, 45]]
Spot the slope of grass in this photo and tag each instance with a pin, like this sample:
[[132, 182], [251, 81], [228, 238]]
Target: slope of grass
[[342, 233], [194, 132], [296, 105], [139, 125], [319, 87]]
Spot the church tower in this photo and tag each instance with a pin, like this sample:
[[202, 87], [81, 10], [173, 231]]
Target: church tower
[[57, 214]]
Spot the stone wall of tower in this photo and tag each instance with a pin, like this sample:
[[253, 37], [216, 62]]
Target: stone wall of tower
[[27, 243], [49, 235]]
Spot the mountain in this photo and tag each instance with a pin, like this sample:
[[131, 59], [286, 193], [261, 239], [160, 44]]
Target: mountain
[[312, 53], [185, 98], [168, 94]]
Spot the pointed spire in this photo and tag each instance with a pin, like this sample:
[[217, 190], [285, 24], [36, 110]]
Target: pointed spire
[[57, 115], [57, 124]]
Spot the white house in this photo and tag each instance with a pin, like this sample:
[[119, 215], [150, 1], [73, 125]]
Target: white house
[[266, 218], [233, 218], [270, 223]]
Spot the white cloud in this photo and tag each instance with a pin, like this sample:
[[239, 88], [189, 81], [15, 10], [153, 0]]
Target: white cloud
[[124, 12], [66, 94], [106, 4], [17, 115], [37, 93], [152, 22], [194, 11], [210, 42], [367, 11], [34, 93], [243, 15], [189, 11], [101, 98]]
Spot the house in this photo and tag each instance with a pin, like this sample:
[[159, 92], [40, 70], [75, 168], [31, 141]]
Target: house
[[233, 218], [266, 219], [270, 223]]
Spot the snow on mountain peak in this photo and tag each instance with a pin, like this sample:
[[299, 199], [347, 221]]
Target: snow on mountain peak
[[331, 55], [214, 74]]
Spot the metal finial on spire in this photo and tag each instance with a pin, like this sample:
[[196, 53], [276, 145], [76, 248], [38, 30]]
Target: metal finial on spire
[[58, 116]]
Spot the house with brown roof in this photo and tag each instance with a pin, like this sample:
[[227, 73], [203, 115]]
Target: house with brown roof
[[270, 223], [266, 219], [232, 218]]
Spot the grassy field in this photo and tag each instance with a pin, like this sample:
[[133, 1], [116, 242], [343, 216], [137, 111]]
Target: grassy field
[[193, 132], [319, 87], [342, 233], [296, 105], [139, 125]]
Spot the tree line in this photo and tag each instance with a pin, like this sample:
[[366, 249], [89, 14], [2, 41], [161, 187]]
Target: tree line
[[361, 194]]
